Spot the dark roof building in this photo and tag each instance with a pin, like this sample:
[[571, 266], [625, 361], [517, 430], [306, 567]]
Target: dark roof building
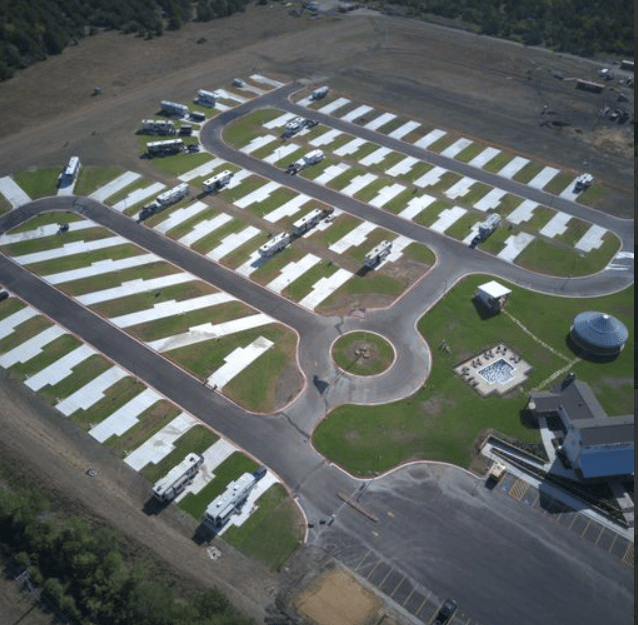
[[599, 333], [596, 444]]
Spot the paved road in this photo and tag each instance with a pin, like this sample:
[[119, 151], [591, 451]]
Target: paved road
[[444, 527]]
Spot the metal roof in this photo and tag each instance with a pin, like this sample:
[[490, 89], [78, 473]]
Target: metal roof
[[494, 289], [600, 329]]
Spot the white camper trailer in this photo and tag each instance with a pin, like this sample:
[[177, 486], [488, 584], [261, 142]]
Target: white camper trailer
[[319, 93], [165, 148], [157, 127], [272, 246], [178, 478], [377, 253], [206, 98], [173, 108], [219, 181]]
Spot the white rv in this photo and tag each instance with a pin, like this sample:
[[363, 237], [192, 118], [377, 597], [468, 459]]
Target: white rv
[[206, 98], [377, 253], [70, 172], [165, 148], [157, 127], [223, 507], [172, 195], [307, 221], [319, 93], [218, 181], [583, 181], [272, 246], [173, 108], [178, 478]]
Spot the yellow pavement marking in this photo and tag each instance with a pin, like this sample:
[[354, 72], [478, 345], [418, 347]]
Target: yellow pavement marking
[[518, 489], [628, 558]]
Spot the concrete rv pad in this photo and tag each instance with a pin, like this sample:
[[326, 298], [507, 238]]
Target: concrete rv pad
[[458, 146], [124, 418], [353, 238], [101, 267], [139, 195], [351, 147], [232, 242], [258, 195], [358, 183], [329, 108], [460, 188], [514, 245], [513, 167], [257, 142], [523, 212], [491, 200], [204, 228], [325, 287], [375, 157], [92, 392], [331, 172], [356, 113], [430, 138], [47, 230], [281, 152], [208, 331], [13, 192], [415, 206], [238, 360], [114, 186], [60, 369], [31, 347], [542, 178], [161, 444], [69, 249], [556, 225], [592, 239], [171, 308], [447, 217], [430, 178], [279, 122], [379, 121], [180, 216], [202, 170], [325, 138], [8, 324], [402, 167], [401, 131], [264, 80], [287, 209], [386, 194], [484, 157], [292, 271]]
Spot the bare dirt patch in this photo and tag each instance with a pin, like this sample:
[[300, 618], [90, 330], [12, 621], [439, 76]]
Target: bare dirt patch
[[336, 598]]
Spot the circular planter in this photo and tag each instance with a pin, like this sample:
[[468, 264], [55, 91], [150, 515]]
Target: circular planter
[[362, 353]]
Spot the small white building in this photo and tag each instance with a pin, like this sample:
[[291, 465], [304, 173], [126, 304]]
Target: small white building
[[377, 253], [218, 181], [176, 480], [174, 109], [272, 246], [157, 127], [492, 295]]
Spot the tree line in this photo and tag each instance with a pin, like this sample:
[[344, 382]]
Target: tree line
[[581, 27], [31, 30], [84, 574]]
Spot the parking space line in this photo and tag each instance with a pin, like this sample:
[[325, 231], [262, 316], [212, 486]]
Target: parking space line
[[600, 533], [570, 525], [613, 542], [422, 604], [373, 568], [361, 561], [585, 528], [386, 577], [395, 588], [408, 597], [628, 558]]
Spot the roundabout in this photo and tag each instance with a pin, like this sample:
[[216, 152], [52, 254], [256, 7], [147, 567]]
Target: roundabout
[[363, 353]]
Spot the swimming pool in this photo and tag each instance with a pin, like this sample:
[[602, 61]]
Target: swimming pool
[[499, 372]]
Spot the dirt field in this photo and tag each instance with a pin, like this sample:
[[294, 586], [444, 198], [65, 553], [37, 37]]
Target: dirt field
[[476, 85], [336, 598]]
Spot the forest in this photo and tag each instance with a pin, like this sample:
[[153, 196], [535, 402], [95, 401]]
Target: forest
[[83, 573], [581, 27], [31, 30]]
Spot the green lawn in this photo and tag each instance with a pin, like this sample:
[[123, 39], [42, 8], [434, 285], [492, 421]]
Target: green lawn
[[214, 238], [272, 533], [23, 332], [40, 244], [576, 228], [498, 162], [371, 190], [528, 172], [271, 269], [446, 140], [244, 130], [399, 202], [544, 256], [430, 214], [420, 253], [229, 470], [53, 217], [476, 192], [540, 217], [418, 170], [10, 306], [461, 228], [37, 183], [558, 183], [343, 180], [179, 164], [340, 227], [376, 283], [127, 190], [378, 358], [247, 185], [592, 195], [472, 150], [82, 374], [5, 205], [92, 177], [300, 287], [195, 441], [444, 418]]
